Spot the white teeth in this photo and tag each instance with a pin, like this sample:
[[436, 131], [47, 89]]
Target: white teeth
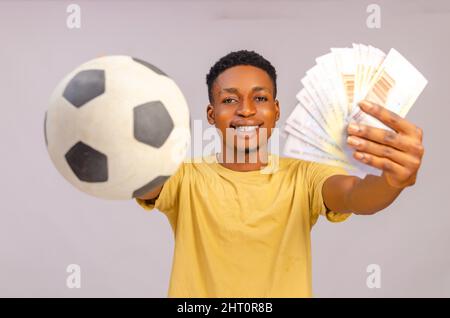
[[246, 128]]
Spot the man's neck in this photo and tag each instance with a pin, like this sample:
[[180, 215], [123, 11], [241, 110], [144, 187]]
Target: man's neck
[[243, 161]]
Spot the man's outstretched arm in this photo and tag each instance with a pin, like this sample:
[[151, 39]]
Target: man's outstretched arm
[[397, 153]]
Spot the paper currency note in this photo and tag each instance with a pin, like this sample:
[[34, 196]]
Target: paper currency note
[[396, 86], [297, 148], [302, 125]]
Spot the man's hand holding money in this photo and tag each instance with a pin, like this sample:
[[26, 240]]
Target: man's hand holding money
[[397, 153]]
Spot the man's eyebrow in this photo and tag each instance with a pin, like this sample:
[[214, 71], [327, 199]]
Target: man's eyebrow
[[236, 91]]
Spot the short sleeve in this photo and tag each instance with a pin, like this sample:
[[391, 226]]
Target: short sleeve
[[167, 201], [317, 174]]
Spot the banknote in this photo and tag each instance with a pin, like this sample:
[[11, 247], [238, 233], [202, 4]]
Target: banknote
[[302, 125], [316, 129], [396, 85], [298, 148]]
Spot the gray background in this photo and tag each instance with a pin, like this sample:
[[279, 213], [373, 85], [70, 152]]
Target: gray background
[[46, 224]]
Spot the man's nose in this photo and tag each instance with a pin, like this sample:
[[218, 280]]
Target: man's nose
[[246, 108]]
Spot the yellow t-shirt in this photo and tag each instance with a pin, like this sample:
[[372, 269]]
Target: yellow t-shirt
[[244, 234]]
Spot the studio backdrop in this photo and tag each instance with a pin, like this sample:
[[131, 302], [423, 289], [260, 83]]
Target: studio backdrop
[[50, 231]]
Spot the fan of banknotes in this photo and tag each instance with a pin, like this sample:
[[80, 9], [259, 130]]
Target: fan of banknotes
[[316, 130]]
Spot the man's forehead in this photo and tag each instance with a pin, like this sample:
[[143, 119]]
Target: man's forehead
[[238, 90]]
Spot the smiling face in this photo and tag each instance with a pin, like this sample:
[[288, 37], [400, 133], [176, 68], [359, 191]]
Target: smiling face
[[244, 105]]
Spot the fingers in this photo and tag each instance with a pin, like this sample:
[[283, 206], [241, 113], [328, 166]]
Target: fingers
[[391, 119], [397, 153], [386, 137], [383, 151], [385, 164]]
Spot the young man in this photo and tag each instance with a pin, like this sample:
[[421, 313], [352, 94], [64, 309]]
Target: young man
[[242, 229]]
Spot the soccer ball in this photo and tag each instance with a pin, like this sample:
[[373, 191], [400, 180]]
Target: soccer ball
[[117, 127]]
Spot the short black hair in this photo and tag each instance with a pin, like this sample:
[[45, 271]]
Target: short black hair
[[242, 57]]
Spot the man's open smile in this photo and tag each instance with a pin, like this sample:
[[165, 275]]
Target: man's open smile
[[246, 129]]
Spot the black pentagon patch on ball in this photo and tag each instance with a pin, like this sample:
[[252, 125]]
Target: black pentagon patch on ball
[[149, 186], [84, 87], [152, 123], [150, 66], [87, 163]]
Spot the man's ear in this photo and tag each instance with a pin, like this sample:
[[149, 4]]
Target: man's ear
[[210, 115], [277, 107]]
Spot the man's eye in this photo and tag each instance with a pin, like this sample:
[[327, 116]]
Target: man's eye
[[262, 99], [227, 100]]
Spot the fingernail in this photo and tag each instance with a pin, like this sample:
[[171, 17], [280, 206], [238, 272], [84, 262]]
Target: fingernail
[[365, 104], [353, 128], [359, 155], [353, 141]]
